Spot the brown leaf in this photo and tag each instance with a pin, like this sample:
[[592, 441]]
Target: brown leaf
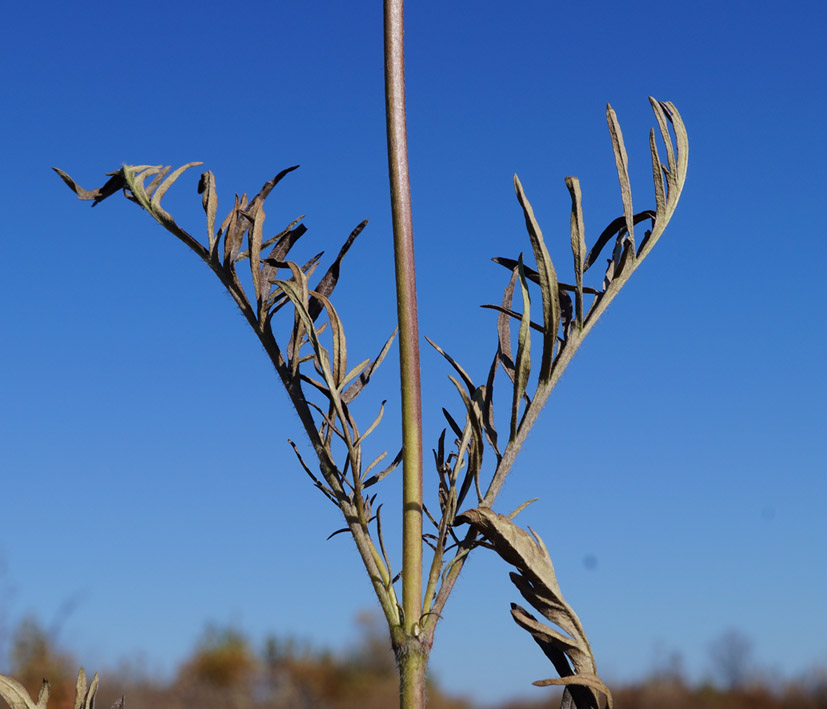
[[578, 243], [331, 277], [209, 201], [116, 182], [622, 164], [548, 284], [612, 230]]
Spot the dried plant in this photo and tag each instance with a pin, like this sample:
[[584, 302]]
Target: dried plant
[[308, 348], [16, 696], [315, 373]]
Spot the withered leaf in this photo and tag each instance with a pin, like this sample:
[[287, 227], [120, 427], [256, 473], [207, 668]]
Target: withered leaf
[[611, 231], [331, 277], [113, 184]]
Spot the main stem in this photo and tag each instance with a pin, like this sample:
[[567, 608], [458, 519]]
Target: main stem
[[406, 309]]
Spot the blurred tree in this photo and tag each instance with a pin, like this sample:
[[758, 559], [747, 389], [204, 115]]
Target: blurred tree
[[34, 656], [222, 658], [731, 656]]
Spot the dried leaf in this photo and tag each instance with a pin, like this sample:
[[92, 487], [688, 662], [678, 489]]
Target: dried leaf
[[372, 426], [534, 277], [384, 473], [85, 697], [504, 326], [611, 231], [232, 235], [16, 696], [353, 373], [488, 406], [622, 163], [318, 483], [513, 314], [209, 201], [657, 176], [355, 389], [116, 182], [159, 193], [522, 507], [548, 284], [452, 423], [578, 242], [465, 378], [331, 277], [537, 582], [522, 368], [339, 342], [583, 680], [260, 286]]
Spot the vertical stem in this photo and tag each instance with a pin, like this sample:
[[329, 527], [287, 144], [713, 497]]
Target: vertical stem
[[406, 310]]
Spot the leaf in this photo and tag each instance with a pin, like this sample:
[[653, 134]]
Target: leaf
[[537, 582], [331, 277], [657, 176], [522, 507], [513, 314], [116, 182], [372, 426], [318, 483], [268, 186], [548, 284], [232, 238], [583, 680], [16, 696], [339, 342], [488, 406], [674, 173], [452, 423], [384, 473], [578, 243], [159, 193], [622, 163], [534, 277], [522, 368], [504, 326], [254, 238], [552, 650], [465, 378], [364, 378], [286, 241], [85, 697], [566, 314], [615, 226], [209, 201]]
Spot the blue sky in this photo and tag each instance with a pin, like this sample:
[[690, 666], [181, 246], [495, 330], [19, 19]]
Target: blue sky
[[146, 475]]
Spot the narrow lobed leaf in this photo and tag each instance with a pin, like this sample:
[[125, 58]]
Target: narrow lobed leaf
[[548, 284], [331, 277], [578, 243], [622, 164]]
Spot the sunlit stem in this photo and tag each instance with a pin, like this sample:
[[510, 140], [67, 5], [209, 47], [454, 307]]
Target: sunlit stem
[[407, 314]]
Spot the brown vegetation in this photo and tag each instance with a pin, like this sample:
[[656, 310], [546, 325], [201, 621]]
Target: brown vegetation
[[225, 671]]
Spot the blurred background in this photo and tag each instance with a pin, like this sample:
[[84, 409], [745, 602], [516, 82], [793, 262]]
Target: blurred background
[[156, 526]]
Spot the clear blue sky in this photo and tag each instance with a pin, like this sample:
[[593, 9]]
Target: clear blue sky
[[144, 465]]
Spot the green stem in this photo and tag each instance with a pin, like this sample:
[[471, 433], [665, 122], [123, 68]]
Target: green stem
[[407, 314], [412, 657]]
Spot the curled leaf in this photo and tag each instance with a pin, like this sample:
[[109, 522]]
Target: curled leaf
[[113, 184]]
